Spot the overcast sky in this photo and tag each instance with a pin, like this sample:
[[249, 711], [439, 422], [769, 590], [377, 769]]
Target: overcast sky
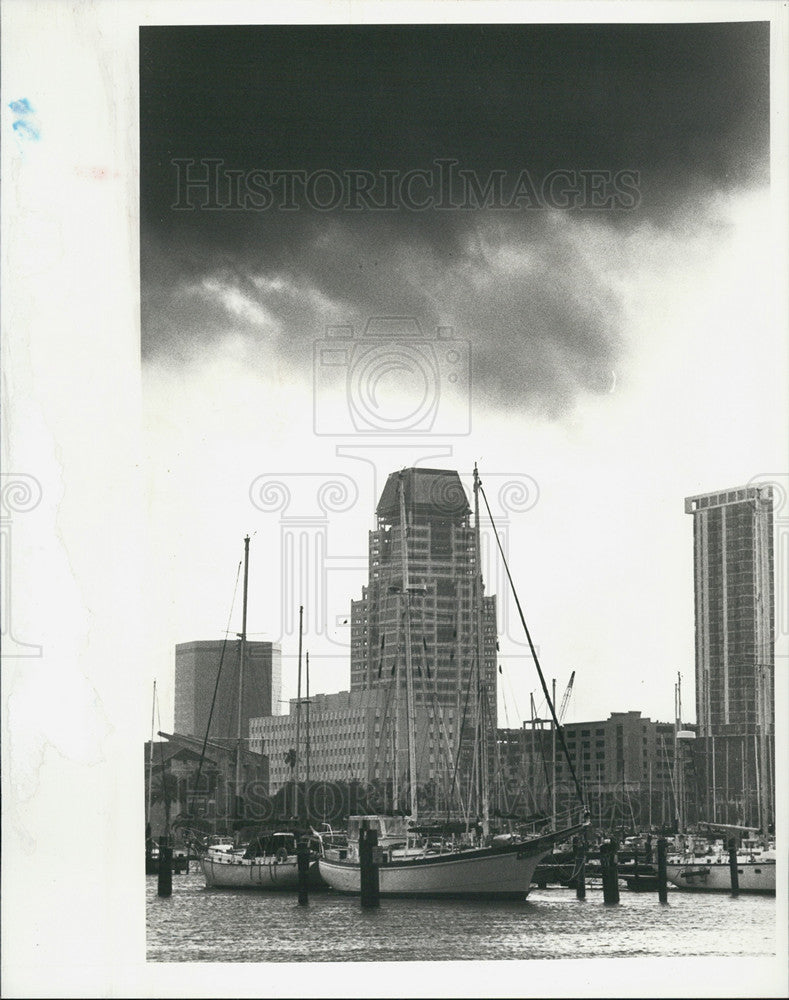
[[616, 343]]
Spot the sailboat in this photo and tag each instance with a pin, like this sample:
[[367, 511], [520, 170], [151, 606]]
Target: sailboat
[[710, 871], [151, 850], [179, 860], [411, 865], [703, 866], [270, 860]]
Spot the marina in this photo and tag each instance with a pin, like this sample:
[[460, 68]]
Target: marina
[[197, 924]]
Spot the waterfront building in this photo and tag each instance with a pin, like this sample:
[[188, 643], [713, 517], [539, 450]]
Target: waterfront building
[[633, 771], [188, 778], [346, 737], [735, 658], [197, 666], [442, 568]]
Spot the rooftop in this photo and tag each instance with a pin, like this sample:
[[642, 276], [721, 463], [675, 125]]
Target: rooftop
[[434, 493]]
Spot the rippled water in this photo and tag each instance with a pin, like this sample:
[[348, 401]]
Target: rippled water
[[197, 924]]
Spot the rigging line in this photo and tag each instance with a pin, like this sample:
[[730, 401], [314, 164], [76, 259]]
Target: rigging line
[[459, 734], [544, 759], [504, 703], [669, 769], [382, 748], [512, 694], [488, 715], [559, 731], [216, 688], [430, 698], [165, 793], [380, 752], [438, 712], [386, 722]]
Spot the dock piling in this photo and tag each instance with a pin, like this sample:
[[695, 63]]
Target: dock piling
[[303, 860], [661, 870], [735, 876], [610, 873], [368, 866], [165, 883], [580, 867]]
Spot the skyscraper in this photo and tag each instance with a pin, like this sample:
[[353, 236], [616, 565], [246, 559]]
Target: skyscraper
[[197, 666], [735, 659], [441, 587]]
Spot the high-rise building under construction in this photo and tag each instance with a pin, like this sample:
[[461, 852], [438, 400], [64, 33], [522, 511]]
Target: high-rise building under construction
[[451, 623]]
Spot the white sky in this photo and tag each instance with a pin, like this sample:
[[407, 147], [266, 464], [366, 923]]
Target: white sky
[[602, 561]]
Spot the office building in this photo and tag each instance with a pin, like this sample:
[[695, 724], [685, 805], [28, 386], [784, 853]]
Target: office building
[[197, 667], [735, 660], [343, 737]]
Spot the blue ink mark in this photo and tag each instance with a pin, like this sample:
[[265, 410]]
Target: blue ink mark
[[25, 125], [21, 107], [26, 130]]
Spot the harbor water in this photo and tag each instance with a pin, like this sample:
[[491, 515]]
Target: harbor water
[[196, 924]]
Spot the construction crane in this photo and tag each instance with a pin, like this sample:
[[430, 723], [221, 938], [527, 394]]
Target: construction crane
[[563, 707], [566, 698]]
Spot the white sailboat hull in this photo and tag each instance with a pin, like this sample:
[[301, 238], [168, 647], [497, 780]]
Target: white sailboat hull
[[493, 873], [715, 876], [258, 873]]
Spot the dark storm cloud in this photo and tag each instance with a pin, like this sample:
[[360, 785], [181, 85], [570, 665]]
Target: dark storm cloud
[[540, 319], [689, 98], [683, 105]]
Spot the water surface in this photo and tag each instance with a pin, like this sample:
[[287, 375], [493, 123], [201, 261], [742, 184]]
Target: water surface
[[197, 924]]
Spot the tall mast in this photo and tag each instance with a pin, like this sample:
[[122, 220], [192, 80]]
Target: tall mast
[[150, 757], [480, 736], [298, 719], [409, 676], [307, 740], [241, 657], [553, 759], [394, 716], [678, 789]]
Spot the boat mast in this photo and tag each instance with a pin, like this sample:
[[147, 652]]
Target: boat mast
[[241, 658], [297, 769], [307, 720], [150, 756], [553, 760], [481, 737], [409, 676], [678, 776]]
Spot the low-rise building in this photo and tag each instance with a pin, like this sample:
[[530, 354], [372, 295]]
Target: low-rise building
[[626, 766], [349, 736]]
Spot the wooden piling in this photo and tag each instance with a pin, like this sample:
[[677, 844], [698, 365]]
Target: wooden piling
[[368, 866], [610, 873], [735, 876], [165, 884], [303, 860], [661, 870], [580, 868]]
